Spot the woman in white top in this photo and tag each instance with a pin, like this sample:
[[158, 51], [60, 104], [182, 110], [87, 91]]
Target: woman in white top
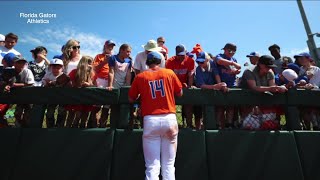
[[71, 58], [71, 54]]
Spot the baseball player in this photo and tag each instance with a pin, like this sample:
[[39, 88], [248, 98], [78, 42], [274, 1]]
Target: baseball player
[[157, 87]]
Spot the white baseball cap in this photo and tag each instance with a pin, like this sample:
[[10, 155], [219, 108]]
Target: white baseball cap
[[56, 61], [2, 37]]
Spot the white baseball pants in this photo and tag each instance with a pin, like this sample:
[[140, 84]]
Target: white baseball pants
[[160, 138]]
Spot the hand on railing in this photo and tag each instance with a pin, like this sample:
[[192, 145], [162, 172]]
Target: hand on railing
[[109, 88]]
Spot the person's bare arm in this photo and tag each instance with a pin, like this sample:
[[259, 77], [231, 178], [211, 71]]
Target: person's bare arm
[[225, 62], [111, 78], [190, 78], [128, 78]]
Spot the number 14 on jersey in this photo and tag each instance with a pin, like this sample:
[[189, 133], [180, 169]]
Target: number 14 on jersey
[[157, 85]]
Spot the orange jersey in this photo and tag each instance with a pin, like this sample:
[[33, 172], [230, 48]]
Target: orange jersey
[[104, 71], [181, 68], [157, 90]]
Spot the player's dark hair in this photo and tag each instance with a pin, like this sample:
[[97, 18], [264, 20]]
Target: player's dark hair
[[155, 61]]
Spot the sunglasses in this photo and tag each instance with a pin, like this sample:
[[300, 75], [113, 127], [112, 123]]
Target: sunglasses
[[200, 62], [231, 51], [75, 47], [161, 41]]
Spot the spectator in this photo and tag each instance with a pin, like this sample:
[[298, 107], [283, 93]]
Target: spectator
[[40, 64], [261, 79], [161, 41], [279, 61], [61, 55], [50, 80], [71, 55], [24, 77], [71, 58], [310, 115], [82, 76], [228, 68], [308, 70], [160, 133], [254, 57], [207, 76], [10, 41], [140, 60], [101, 68], [2, 40], [120, 68], [7, 60], [183, 66]]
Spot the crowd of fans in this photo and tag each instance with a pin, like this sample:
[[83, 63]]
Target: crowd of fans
[[195, 69]]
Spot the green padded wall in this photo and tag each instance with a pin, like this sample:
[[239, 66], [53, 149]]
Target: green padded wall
[[191, 160], [127, 161], [64, 154], [249, 155], [309, 151], [9, 151]]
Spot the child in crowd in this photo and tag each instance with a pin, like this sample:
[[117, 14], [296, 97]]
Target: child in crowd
[[23, 78], [83, 76], [40, 64], [53, 78]]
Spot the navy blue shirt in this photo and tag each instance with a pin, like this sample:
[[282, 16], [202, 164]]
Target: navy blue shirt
[[225, 72], [206, 77]]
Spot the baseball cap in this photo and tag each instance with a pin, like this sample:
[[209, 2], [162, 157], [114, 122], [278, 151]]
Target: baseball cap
[[253, 54], [2, 37], [8, 58], [109, 42], [180, 50], [56, 61], [57, 57], [230, 46], [19, 58], [154, 55], [267, 60], [197, 49], [289, 74], [151, 46], [274, 46], [304, 54], [38, 49], [189, 54], [201, 57], [294, 67]]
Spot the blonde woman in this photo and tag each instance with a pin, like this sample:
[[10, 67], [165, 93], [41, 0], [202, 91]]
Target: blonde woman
[[71, 57], [82, 76], [71, 54]]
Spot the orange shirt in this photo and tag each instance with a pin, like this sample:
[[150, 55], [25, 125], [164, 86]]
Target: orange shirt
[[181, 68], [157, 90], [104, 71]]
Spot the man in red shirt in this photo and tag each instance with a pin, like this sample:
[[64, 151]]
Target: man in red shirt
[[183, 66], [157, 88]]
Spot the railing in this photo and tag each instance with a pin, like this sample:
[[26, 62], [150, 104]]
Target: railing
[[118, 98]]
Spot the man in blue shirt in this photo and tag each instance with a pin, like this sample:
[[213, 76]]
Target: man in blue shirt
[[228, 69], [207, 77]]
